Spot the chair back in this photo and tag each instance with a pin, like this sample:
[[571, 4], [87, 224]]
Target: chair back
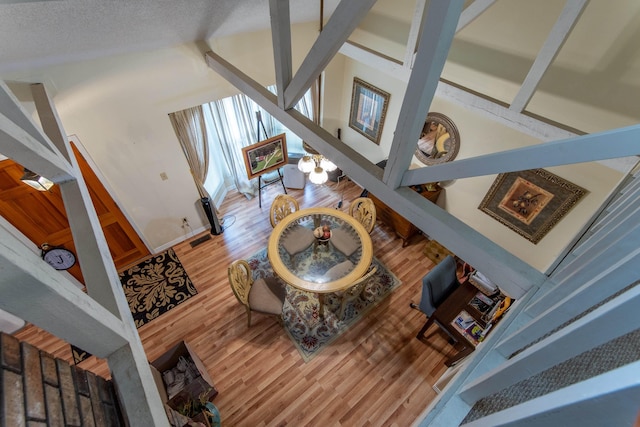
[[282, 206], [438, 284], [364, 211], [356, 290], [359, 285], [240, 279]]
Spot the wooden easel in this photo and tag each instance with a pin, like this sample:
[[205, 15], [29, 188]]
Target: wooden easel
[[260, 186]]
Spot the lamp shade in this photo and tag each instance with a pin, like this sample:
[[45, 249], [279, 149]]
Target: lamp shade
[[36, 181], [328, 165], [318, 176], [306, 164]]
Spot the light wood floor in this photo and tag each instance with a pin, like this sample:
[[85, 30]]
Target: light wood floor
[[376, 374]]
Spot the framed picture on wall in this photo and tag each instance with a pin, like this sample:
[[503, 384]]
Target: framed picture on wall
[[265, 156], [368, 109], [530, 202]]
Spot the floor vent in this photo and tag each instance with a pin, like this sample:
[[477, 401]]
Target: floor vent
[[200, 240]]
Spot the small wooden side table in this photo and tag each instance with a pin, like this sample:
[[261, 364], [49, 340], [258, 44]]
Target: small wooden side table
[[435, 251], [402, 227]]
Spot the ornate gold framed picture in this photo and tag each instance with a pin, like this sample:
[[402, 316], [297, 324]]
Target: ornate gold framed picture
[[368, 109], [530, 202], [265, 156]]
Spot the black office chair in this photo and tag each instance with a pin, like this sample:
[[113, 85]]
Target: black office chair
[[437, 285]]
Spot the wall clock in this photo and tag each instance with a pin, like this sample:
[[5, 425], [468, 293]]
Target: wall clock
[[58, 257]]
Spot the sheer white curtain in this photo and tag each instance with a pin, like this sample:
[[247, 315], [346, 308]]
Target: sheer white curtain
[[232, 129], [232, 125], [190, 129]]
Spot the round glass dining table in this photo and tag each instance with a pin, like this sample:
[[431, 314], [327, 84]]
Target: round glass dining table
[[325, 264]]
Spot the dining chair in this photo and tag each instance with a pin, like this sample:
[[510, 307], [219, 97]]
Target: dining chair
[[296, 238], [263, 295], [355, 291], [345, 241], [364, 211], [282, 205], [437, 285]]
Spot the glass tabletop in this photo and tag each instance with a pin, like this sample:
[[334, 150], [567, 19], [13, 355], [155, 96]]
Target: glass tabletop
[[319, 249], [321, 261]]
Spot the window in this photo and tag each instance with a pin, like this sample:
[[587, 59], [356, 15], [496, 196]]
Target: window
[[231, 125]]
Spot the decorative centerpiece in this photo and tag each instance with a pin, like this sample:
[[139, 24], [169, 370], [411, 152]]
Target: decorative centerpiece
[[322, 234]]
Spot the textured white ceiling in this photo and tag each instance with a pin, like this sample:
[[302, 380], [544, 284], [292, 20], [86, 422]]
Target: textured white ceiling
[[39, 33]]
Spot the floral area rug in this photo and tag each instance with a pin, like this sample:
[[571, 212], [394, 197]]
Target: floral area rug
[[152, 287], [311, 333], [155, 286]]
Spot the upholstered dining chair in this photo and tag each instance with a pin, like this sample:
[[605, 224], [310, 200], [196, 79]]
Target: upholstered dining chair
[[364, 211], [297, 238], [263, 295], [437, 285], [282, 205], [355, 291]]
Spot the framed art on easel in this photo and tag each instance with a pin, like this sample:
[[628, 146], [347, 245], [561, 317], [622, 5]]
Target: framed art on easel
[[265, 156]]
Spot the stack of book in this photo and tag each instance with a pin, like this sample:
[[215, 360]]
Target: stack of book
[[469, 327]]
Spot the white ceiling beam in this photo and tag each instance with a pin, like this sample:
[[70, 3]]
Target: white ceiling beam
[[25, 143], [51, 124], [414, 32], [607, 280], [281, 40], [128, 362], [491, 109], [11, 107], [614, 143], [472, 11], [500, 113], [467, 16], [608, 399], [343, 21], [32, 290], [375, 60], [433, 48], [502, 266], [524, 123], [608, 322], [320, 139], [99, 272], [555, 40]]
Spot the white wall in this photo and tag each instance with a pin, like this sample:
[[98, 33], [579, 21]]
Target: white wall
[[118, 109], [478, 135], [492, 55], [481, 136]]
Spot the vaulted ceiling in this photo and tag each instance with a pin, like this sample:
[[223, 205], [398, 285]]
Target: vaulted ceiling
[[39, 33]]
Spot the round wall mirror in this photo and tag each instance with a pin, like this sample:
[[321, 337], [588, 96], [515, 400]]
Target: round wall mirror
[[439, 140]]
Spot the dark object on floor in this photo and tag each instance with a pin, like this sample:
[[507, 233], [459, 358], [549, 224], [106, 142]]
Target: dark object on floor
[[216, 228], [200, 240]]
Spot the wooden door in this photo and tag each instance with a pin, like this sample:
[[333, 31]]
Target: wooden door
[[41, 216]]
